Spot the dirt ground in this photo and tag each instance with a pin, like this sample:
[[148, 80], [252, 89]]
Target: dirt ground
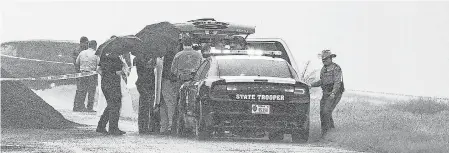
[[85, 139]]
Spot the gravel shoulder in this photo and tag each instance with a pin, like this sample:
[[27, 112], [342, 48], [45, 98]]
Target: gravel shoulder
[[85, 139]]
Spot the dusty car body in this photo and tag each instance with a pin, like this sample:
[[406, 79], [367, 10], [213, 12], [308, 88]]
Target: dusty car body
[[244, 95]]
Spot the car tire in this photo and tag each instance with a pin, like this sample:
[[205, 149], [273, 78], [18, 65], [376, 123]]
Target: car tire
[[276, 136], [301, 136]]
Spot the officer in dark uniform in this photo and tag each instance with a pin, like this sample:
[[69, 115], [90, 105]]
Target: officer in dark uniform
[[146, 85], [331, 82], [110, 69]]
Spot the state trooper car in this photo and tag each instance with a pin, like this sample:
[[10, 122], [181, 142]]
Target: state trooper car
[[245, 93]]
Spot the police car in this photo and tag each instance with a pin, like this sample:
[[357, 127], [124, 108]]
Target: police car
[[244, 93]]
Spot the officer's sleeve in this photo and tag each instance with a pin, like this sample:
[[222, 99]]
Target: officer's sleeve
[[174, 64], [77, 60], [200, 60], [337, 79]]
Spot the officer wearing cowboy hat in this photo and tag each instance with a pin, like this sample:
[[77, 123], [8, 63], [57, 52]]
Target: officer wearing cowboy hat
[[331, 82]]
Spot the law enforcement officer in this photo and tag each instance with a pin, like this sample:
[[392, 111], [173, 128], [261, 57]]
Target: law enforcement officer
[[110, 69], [169, 93], [87, 61], [77, 105], [184, 64], [145, 86], [331, 82]]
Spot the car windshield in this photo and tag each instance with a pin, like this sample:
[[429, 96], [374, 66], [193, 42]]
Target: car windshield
[[254, 67], [269, 45]]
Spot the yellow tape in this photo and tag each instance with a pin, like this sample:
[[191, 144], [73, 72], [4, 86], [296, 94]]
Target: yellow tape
[[56, 77], [37, 60]]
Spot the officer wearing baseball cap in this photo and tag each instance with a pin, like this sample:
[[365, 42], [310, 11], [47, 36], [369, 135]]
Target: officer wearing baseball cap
[[331, 82]]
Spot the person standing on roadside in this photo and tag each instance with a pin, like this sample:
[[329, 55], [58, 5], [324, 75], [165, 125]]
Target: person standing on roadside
[[184, 64], [110, 69], [77, 106], [331, 82], [170, 87], [87, 61], [146, 87]]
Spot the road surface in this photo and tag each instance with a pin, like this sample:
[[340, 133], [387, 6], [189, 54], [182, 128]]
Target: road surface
[[85, 139]]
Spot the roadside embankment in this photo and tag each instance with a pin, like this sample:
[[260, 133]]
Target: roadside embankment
[[380, 124]]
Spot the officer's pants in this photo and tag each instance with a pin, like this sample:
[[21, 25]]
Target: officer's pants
[[146, 102], [85, 85], [170, 91], [327, 106], [110, 85]]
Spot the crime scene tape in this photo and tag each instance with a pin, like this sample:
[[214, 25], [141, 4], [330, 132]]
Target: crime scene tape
[[37, 60], [57, 77]]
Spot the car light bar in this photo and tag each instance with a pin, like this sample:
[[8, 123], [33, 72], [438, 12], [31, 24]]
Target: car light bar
[[245, 52]]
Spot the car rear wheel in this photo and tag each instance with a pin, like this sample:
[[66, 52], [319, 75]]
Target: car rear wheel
[[301, 136], [276, 136]]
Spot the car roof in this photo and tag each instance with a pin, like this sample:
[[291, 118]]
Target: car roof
[[204, 26]]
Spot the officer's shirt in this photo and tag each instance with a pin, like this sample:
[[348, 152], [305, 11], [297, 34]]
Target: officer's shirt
[[330, 78], [145, 74], [109, 67], [87, 60], [186, 61]]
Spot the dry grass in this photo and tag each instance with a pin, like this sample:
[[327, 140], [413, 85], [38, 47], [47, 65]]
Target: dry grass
[[421, 106], [418, 125]]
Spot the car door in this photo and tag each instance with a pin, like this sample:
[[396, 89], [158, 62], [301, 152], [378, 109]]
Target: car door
[[193, 86]]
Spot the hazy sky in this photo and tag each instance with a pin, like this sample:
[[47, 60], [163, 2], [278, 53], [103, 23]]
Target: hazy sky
[[400, 47]]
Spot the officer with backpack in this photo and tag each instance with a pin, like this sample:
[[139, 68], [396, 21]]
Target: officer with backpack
[[184, 64]]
